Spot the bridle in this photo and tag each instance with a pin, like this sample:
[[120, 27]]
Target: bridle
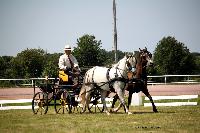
[[128, 65], [144, 56]]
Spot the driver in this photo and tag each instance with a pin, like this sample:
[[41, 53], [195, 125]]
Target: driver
[[68, 65]]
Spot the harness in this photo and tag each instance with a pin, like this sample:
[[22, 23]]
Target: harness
[[107, 74], [109, 80]]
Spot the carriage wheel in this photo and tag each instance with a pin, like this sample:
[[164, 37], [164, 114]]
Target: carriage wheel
[[61, 102], [40, 103], [94, 107], [76, 107]]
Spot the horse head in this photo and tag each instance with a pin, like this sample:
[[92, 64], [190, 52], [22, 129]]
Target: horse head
[[146, 57], [130, 62]]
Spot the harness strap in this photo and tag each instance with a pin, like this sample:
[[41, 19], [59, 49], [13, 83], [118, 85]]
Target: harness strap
[[116, 75], [93, 75], [107, 74]]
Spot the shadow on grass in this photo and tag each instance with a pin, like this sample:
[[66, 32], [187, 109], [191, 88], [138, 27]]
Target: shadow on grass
[[151, 112]]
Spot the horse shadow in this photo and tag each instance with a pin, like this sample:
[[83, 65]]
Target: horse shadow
[[150, 112]]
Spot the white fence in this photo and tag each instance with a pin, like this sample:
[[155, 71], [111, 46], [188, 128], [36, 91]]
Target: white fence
[[188, 79], [180, 97], [30, 80], [6, 107]]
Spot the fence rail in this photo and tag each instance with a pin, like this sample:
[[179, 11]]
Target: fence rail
[[180, 97], [6, 107], [188, 79]]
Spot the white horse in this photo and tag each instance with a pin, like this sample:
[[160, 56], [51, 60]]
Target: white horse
[[102, 77]]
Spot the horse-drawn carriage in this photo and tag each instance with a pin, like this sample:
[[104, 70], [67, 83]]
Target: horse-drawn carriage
[[63, 94], [98, 81]]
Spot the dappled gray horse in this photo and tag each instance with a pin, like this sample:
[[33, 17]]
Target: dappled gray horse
[[103, 78]]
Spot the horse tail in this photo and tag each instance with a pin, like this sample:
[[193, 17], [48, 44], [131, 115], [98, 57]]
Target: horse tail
[[82, 94], [87, 80]]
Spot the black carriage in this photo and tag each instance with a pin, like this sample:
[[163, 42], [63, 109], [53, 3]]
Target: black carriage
[[62, 94], [58, 92]]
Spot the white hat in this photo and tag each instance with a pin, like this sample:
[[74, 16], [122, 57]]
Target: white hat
[[67, 47]]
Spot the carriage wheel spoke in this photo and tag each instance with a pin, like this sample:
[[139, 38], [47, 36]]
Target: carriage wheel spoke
[[39, 104], [37, 110]]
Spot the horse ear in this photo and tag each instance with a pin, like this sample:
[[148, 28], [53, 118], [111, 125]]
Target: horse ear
[[140, 49], [136, 54], [126, 54]]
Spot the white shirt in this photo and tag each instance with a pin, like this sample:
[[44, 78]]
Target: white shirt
[[65, 63]]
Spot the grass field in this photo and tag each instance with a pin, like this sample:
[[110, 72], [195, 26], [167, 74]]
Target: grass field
[[169, 119]]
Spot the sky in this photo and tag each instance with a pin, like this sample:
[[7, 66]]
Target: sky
[[52, 24]]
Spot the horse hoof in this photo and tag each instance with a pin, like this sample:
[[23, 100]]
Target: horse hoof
[[108, 113], [115, 110], [129, 113], [90, 112], [82, 112], [155, 110]]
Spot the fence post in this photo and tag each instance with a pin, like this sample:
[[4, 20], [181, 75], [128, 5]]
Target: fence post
[[136, 99], [33, 83]]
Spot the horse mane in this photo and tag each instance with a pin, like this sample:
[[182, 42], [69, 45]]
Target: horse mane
[[117, 64], [140, 67]]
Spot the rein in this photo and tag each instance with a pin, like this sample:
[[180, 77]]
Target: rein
[[118, 77], [108, 82]]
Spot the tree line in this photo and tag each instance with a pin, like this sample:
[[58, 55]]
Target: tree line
[[170, 57]]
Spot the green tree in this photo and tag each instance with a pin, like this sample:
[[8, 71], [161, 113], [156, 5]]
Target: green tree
[[197, 62], [51, 65], [172, 57], [111, 57], [89, 52], [5, 66], [29, 63]]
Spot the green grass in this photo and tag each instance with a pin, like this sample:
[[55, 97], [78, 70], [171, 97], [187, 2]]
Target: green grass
[[17, 104], [169, 119]]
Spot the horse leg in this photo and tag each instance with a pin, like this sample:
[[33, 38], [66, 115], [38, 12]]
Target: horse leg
[[88, 95], [130, 88], [120, 93], [129, 98], [146, 92], [119, 106], [114, 100], [82, 95], [85, 95], [103, 96], [116, 97]]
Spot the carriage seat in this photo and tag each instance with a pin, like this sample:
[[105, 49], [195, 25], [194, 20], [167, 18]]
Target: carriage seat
[[65, 78]]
